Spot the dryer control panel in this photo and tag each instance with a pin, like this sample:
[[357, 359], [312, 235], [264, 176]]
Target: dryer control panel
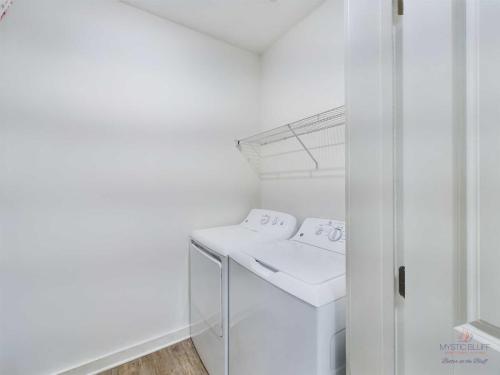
[[328, 234], [278, 224]]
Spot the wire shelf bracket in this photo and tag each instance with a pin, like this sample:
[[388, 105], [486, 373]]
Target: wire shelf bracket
[[305, 147]]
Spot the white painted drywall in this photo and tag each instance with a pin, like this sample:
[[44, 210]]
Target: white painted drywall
[[303, 74], [116, 140], [251, 25]]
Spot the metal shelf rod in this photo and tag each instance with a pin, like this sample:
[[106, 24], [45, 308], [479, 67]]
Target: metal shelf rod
[[305, 148]]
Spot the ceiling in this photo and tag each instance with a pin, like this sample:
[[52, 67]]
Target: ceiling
[[250, 24]]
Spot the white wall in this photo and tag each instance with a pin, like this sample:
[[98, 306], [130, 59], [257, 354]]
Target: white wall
[[303, 74], [116, 139]]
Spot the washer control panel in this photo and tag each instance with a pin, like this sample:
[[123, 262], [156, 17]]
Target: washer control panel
[[328, 234], [278, 224]]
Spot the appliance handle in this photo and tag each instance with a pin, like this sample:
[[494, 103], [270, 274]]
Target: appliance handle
[[253, 265], [206, 252], [262, 269], [266, 266]]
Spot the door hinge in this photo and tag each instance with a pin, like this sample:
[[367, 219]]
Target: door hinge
[[401, 7], [402, 282]]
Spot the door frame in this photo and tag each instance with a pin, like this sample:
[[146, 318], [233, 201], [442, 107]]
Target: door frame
[[370, 186]]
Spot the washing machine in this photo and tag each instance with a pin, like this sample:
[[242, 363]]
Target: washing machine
[[287, 304], [209, 250]]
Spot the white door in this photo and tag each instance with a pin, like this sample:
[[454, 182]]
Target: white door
[[448, 191], [423, 146]]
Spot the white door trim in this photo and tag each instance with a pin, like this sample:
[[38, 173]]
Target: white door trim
[[370, 187], [472, 163]]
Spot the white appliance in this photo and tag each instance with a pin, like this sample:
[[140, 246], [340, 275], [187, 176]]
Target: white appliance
[[209, 250], [287, 304]]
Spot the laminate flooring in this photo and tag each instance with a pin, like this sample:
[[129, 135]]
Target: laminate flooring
[[178, 359]]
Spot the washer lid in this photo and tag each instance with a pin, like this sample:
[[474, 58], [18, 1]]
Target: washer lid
[[309, 264]]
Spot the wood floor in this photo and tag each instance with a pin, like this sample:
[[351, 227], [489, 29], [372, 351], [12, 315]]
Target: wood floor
[[178, 359]]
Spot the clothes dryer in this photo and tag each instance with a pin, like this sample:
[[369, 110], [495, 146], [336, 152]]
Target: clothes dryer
[[209, 250]]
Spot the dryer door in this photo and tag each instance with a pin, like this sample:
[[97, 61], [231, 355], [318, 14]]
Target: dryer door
[[206, 308], [206, 291]]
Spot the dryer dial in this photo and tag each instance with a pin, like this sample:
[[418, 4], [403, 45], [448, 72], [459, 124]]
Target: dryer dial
[[335, 234]]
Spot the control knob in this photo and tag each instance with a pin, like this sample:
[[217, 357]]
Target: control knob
[[335, 234], [265, 219]]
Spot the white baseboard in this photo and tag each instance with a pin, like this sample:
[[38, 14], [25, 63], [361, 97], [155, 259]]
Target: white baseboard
[[128, 354]]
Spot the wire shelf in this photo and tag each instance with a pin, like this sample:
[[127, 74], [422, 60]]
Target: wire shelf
[[311, 147]]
